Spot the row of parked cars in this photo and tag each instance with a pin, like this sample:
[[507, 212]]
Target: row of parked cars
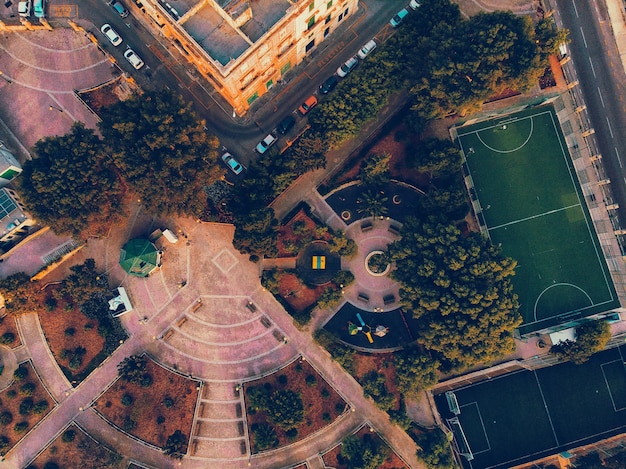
[[25, 8], [326, 87]]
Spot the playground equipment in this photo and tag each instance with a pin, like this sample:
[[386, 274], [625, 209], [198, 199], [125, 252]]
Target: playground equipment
[[354, 329]]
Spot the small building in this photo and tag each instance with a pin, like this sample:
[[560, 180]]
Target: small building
[[140, 257], [10, 168], [119, 302], [15, 223]]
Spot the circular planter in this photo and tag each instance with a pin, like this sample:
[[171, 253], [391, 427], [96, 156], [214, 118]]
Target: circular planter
[[372, 268], [346, 215]]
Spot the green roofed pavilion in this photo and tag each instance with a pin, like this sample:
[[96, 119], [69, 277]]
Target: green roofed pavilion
[[140, 257]]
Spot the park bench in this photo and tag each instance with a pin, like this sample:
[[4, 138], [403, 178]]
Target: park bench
[[388, 299], [366, 226], [363, 297], [394, 229]]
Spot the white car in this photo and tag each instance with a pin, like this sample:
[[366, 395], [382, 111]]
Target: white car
[[234, 165], [111, 35], [133, 58], [366, 49], [266, 143], [347, 67], [23, 8], [415, 4]]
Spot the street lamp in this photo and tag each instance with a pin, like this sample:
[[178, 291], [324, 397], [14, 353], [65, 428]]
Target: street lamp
[[52, 108], [8, 80]]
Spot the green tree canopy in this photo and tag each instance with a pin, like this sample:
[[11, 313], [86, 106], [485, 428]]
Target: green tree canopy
[[363, 453], [176, 445], [20, 294], [375, 170], [591, 337], [439, 158], [434, 450], [70, 184], [415, 371], [256, 232], [460, 289], [85, 282], [163, 151]]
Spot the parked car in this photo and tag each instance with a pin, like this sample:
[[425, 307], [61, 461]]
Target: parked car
[[415, 4], [286, 124], [111, 35], [232, 163], [307, 105], [367, 49], [23, 8], [347, 67], [329, 84], [133, 58], [118, 7], [396, 20], [39, 8], [267, 142]]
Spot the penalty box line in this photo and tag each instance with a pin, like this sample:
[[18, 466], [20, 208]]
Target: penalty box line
[[550, 212]]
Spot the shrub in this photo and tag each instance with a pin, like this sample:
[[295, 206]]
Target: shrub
[[326, 417], [50, 303], [51, 465], [75, 362], [175, 445], [20, 427], [68, 436], [6, 418], [325, 393], [27, 389], [311, 380], [340, 407], [40, 407], [4, 445], [128, 424], [26, 406], [282, 379], [70, 331], [146, 381], [127, 400], [65, 354], [11, 393], [265, 437], [7, 338], [160, 419], [292, 433], [20, 373], [168, 402]]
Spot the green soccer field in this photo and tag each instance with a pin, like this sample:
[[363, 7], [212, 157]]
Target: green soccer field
[[526, 415], [533, 207]]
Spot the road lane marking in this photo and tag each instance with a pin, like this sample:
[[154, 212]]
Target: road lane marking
[[601, 98], [592, 68], [610, 129], [583, 35], [575, 9], [619, 159]]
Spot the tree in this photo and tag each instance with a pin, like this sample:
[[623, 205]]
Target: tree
[[363, 453], [162, 150], [434, 450], [133, 369], [549, 37], [415, 371], [450, 203], [374, 386], [373, 203], [264, 437], [285, 408], [71, 185], [20, 294], [591, 337], [176, 445], [460, 289], [256, 232], [85, 282], [374, 170], [307, 153], [438, 158]]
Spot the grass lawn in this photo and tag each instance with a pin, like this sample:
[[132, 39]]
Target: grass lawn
[[152, 417], [533, 206]]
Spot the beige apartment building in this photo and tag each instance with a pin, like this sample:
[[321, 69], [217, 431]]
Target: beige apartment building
[[244, 47]]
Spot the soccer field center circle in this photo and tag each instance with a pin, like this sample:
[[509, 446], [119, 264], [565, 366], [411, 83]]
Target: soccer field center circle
[[576, 299], [492, 133]]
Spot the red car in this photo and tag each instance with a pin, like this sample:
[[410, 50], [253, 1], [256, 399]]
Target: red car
[[309, 104]]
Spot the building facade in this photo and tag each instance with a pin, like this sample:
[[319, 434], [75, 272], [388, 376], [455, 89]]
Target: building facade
[[244, 47]]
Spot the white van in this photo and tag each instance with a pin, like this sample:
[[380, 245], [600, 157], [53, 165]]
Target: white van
[[38, 8], [23, 8]]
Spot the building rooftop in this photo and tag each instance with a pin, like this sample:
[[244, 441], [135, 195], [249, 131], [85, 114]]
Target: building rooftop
[[10, 213], [218, 37]]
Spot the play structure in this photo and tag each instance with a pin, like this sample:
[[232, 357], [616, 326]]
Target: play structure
[[354, 329]]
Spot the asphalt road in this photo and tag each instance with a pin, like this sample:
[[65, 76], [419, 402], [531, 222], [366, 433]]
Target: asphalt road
[[602, 83], [240, 135]]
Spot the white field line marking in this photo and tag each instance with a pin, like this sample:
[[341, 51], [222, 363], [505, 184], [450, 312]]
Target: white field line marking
[[619, 158], [583, 35], [550, 212], [575, 9]]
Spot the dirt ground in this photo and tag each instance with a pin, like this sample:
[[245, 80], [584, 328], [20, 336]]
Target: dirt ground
[[83, 452], [296, 293], [8, 324], [315, 405], [148, 405]]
